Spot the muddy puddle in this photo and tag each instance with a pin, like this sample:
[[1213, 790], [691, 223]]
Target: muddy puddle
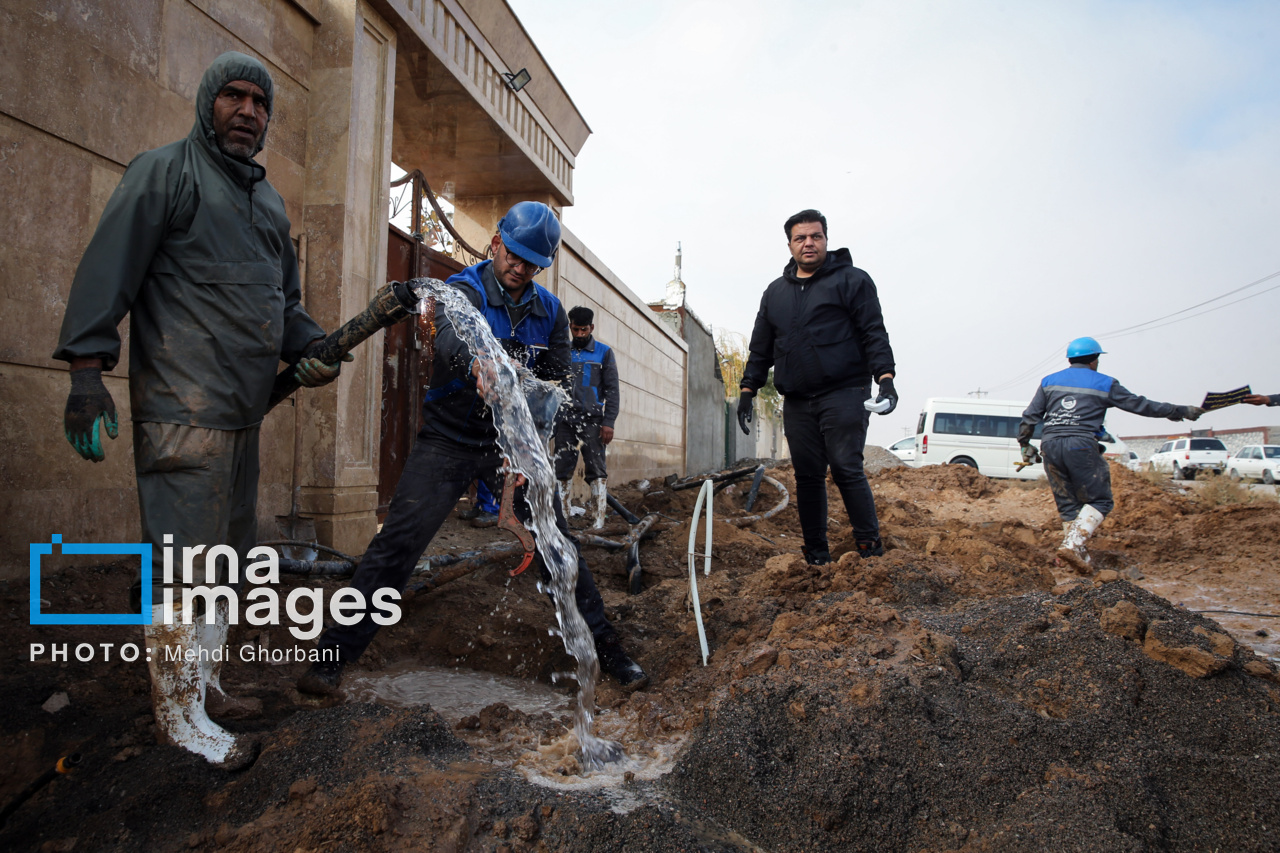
[[526, 726]]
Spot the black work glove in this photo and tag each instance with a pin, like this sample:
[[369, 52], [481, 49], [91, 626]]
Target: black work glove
[[311, 372], [1190, 413], [1030, 455], [745, 404], [88, 405], [887, 392]]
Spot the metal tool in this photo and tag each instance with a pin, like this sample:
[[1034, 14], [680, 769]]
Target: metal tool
[[507, 521]]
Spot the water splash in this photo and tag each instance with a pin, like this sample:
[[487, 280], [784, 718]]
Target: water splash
[[522, 437]]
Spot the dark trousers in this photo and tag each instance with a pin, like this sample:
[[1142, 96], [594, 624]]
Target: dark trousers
[[1078, 474], [569, 433], [201, 486], [830, 430], [435, 475]]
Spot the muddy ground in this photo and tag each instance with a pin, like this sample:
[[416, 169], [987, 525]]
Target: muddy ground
[[964, 692]]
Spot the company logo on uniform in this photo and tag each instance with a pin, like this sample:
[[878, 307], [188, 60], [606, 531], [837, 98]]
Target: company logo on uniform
[[1068, 403]]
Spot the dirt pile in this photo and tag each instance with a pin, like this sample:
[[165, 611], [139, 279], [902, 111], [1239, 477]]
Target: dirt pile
[[964, 692]]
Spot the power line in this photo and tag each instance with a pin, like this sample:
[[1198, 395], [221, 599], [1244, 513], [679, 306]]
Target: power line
[[1148, 325], [1118, 332]]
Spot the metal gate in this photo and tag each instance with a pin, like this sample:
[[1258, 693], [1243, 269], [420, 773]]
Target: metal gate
[[405, 374]]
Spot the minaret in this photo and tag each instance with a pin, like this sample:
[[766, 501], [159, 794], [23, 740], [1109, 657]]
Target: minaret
[[675, 287]]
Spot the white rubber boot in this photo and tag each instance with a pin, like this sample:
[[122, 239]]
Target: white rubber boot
[[178, 692], [216, 701], [565, 505], [599, 491], [1072, 549]]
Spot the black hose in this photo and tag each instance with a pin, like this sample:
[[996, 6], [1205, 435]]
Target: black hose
[[621, 510], [316, 546], [755, 488], [715, 478], [61, 766]]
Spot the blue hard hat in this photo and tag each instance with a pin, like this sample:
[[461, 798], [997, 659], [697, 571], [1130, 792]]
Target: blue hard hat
[[531, 231], [1084, 346]]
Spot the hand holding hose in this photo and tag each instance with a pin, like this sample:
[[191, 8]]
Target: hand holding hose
[[312, 372]]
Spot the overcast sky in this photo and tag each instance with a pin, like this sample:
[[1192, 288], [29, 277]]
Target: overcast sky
[[1011, 175]]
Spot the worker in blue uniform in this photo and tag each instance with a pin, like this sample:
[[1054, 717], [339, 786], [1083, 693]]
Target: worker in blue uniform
[[458, 441], [1072, 404], [589, 417]]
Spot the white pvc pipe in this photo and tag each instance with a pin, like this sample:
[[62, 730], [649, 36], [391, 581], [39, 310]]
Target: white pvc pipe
[[707, 493]]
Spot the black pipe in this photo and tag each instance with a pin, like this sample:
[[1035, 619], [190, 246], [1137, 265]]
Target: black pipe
[[621, 510], [715, 478], [755, 488], [322, 568], [62, 765], [392, 303]]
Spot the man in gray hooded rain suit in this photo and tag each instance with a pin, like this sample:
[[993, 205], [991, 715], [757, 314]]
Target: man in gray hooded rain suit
[[194, 246]]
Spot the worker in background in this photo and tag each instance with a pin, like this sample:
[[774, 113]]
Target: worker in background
[[1072, 404], [1263, 400], [194, 245], [589, 417], [458, 441], [821, 330]]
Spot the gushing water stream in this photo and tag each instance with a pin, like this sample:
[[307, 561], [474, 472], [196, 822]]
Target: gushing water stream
[[525, 451]]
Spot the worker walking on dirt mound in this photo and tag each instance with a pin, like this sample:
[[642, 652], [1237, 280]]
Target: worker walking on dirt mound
[[589, 417], [820, 328], [1072, 404], [458, 441], [194, 245]]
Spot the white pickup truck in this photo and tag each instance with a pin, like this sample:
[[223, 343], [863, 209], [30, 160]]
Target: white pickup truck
[[1185, 457]]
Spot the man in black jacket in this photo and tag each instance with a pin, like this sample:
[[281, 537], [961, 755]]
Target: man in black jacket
[[820, 328]]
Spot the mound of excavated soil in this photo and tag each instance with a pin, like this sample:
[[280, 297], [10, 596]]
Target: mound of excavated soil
[[964, 692]]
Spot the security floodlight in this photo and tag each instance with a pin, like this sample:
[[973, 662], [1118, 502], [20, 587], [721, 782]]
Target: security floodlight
[[517, 81]]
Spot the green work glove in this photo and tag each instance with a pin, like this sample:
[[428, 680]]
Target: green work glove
[[1030, 455], [312, 372], [88, 405]]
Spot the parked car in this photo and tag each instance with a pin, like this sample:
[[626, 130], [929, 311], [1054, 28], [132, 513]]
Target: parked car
[[1256, 462], [1132, 462], [1185, 457], [905, 450]]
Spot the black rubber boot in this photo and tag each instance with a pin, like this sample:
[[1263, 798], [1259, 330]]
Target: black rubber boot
[[323, 678], [870, 548], [617, 664]]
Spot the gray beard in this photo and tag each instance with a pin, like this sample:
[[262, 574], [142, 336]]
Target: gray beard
[[232, 149]]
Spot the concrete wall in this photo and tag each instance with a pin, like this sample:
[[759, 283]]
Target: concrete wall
[[704, 431], [649, 434], [766, 441]]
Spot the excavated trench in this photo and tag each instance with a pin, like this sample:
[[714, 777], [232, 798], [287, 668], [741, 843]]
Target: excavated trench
[[961, 693]]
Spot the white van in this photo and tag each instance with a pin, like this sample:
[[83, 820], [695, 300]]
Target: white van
[[983, 434]]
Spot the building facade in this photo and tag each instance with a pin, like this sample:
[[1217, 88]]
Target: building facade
[[359, 84]]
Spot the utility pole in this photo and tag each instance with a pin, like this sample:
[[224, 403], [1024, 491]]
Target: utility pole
[[979, 393]]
